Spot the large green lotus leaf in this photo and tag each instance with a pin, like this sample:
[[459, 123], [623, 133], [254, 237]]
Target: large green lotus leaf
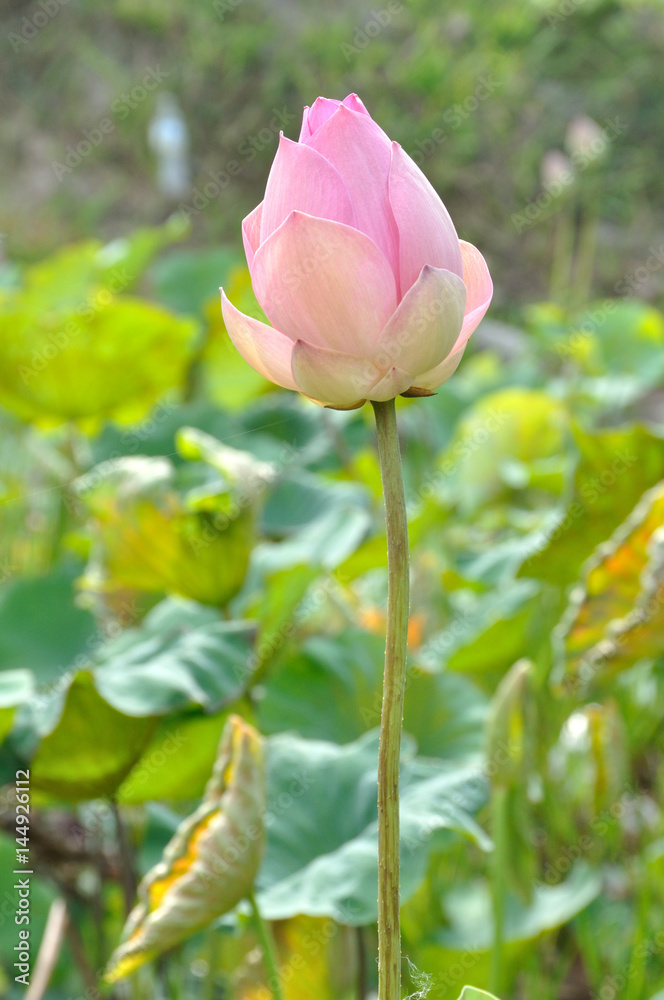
[[628, 342], [182, 655], [185, 280], [131, 352], [41, 629], [92, 747], [511, 439], [15, 687], [462, 949], [469, 910], [65, 280], [472, 993], [320, 858], [321, 524], [615, 468], [177, 762], [616, 583], [332, 688], [488, 631]]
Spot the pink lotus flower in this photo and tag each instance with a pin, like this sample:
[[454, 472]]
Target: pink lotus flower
[[356, 263]]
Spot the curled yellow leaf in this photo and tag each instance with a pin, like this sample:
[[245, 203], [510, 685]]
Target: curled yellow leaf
[[211, 862]]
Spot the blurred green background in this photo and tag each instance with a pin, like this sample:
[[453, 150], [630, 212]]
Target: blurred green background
[[179, 539]]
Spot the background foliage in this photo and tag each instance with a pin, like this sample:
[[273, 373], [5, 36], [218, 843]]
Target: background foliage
[[179, 540]]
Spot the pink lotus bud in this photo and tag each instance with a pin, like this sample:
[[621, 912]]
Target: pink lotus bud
[[356, 263]]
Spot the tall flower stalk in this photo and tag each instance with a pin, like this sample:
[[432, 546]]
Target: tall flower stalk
[[389, 924], [356, 263]]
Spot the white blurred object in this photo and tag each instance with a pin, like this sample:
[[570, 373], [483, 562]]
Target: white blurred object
[[585, 139], [169, 139], [556, 169]]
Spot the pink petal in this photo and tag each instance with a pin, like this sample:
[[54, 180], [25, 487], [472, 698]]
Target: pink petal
[[251, 233], [360, 151], [303, 180], [393, 384], [332, 378], [480, 290], [426, 231], [353, 103], [433, 379], [426, 324], [265, 349], [317, 115], [305, 131], [325, 283]]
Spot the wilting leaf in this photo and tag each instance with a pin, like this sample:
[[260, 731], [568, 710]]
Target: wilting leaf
[[610, 618], [163, 529], [211, 862], [616, 466]]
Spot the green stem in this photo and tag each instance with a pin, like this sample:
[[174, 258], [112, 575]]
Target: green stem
[[394, 682], [268, 949], [500, 861]]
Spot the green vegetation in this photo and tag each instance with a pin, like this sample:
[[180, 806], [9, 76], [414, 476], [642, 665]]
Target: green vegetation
[[180, 541]]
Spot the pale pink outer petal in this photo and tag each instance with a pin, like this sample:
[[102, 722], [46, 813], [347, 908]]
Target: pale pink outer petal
[[479, 291], [393, 384], [251, 233], [303, 180], [478, 282], [426, 231], [433, 379], [332, 378], [425, 325], [265, 349], [325, 283], [361, 152], [305, 131]]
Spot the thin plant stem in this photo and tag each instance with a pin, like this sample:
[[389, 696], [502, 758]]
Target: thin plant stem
[[268, 949], [499, 863], [394, 683]]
